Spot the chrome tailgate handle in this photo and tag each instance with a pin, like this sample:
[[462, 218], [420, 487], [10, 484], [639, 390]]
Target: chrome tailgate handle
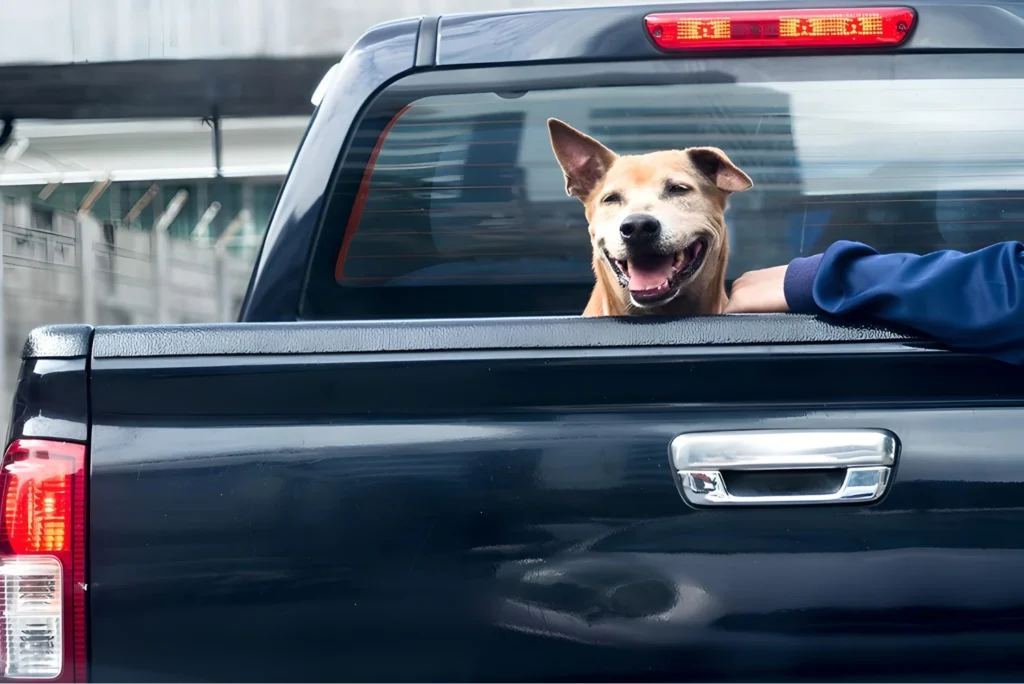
[[783, 467]]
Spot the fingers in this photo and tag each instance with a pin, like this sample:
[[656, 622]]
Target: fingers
[[743, 298], [739, 303], [760, 291], [733, 305]]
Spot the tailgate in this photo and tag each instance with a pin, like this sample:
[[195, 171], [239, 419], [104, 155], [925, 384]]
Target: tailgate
[[495, 501]]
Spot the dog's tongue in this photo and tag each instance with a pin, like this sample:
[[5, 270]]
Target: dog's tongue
[[649, 272]]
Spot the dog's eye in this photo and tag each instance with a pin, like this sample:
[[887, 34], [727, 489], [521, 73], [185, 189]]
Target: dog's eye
[[676, 189], [613, 198]]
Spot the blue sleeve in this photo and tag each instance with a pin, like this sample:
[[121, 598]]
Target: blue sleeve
[[973, 301]]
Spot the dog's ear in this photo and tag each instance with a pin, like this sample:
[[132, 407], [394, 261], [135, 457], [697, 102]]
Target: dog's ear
[[584, 161], [714, 164]]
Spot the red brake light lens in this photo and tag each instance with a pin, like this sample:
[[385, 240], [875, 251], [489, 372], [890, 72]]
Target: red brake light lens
[[38, 491], [836, 28], [42, 562]]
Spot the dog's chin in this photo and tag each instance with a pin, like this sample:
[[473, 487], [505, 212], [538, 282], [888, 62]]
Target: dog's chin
[[653, 280]]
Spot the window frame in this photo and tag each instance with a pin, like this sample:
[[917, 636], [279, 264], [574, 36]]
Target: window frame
[[320, 293]]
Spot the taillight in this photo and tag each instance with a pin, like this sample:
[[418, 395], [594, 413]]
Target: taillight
[[811, 28], [42, 562]]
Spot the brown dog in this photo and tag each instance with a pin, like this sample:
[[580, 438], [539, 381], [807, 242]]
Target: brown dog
[[657, 227]]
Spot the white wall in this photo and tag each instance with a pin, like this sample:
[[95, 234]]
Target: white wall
[[65, 31]]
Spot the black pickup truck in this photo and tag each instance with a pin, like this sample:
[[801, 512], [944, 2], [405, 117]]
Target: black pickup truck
[[411, 459]]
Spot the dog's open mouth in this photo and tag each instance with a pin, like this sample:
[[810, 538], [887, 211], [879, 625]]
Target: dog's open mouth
[[654, 278]]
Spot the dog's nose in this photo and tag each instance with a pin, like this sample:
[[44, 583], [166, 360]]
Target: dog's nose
[[639, 228]]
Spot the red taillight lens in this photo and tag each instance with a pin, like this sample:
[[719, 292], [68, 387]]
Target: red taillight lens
[[42, 562], [873, 26]]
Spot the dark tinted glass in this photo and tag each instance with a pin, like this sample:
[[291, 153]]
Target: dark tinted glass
[[465, 192]]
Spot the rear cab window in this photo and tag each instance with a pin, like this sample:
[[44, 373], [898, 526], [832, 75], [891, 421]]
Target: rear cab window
[[449, 202]]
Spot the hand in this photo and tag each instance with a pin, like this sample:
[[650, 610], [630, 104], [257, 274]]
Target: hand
[[759, 292]]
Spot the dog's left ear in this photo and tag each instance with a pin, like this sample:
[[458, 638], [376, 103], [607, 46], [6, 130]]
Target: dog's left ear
[[714, 164]]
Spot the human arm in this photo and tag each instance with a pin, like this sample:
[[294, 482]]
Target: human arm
[[971, 301]]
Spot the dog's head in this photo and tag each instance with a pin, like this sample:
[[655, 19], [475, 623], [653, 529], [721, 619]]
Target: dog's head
[[657, 223]]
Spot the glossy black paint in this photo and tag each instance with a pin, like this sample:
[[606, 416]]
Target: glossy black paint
[[510, 515], [50, 400], [380, 55], [613, 33], [51, 397]]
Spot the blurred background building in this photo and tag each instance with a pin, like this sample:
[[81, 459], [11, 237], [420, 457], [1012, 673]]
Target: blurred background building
[[144, 143]]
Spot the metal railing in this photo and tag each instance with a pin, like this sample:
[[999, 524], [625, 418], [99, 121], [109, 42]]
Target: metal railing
[[70, 268]]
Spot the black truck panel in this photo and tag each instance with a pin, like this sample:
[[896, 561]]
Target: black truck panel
[[51, 397], [609, 33], [466, 513]]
